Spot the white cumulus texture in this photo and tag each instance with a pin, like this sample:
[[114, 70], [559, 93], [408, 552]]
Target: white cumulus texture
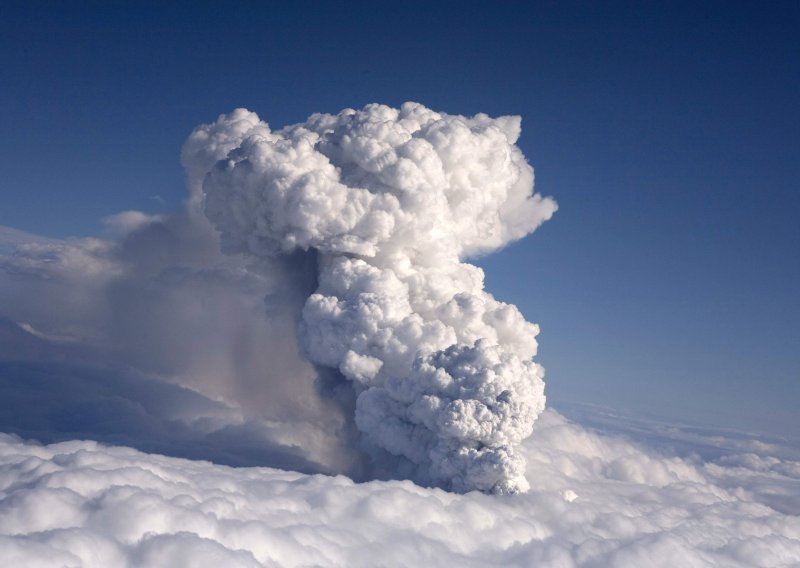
[[392, 202], [596, 501]]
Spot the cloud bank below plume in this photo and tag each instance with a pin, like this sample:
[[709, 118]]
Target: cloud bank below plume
[[596, 500], [389, 202]]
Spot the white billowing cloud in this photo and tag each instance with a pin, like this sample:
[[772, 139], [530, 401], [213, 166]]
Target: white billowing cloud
[[374, 182], [595, 500], [390, 202], [210, 143]]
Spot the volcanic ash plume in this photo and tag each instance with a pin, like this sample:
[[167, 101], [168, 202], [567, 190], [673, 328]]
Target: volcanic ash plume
[[391, 202]]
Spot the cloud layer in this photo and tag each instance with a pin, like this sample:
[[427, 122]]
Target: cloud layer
[[596, 500]]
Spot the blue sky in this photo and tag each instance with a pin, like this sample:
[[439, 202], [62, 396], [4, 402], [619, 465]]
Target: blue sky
[[668, 280]]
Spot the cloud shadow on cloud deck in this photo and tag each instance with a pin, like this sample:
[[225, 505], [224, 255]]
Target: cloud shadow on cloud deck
[[56, 401]]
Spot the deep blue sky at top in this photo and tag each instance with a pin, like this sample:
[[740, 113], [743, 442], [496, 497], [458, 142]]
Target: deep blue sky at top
[[668, 132]]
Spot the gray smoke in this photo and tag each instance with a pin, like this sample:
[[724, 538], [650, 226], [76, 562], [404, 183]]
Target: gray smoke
[[389, 203]]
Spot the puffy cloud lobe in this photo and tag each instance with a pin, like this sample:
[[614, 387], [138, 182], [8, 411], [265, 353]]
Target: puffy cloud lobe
[[461, 408], [597, 500], [375, 182], [211, 142], [392, 201]]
